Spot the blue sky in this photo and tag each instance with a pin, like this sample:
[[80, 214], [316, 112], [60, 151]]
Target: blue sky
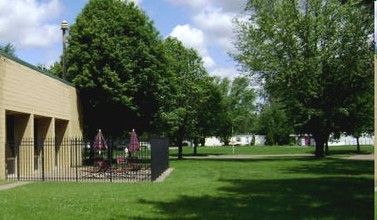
[[33, 26]]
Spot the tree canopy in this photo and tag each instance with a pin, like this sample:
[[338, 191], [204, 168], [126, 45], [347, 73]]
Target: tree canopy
[[313, 56], [9, 49], [273, 122], [239, 107], [241, 97], [129, 77], [116, 58], [192, 103]]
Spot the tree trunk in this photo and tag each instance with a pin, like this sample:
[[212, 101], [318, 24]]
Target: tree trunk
[[180, 150], [319, 146], [195, 150], [180, 147], [196, 143], [319, 150], [358, 144], [327, 148], [321, 138], [180, 138]]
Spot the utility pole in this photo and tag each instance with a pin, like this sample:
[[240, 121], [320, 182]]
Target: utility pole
[[64, 28]]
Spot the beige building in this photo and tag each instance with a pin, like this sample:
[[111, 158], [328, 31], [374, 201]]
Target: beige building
[[35, 106]]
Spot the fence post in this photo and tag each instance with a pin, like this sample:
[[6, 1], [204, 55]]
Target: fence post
[[110, 158], [76, 158], [43, 158]]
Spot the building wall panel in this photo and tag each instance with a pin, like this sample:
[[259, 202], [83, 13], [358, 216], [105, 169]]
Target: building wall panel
[[33, 95], [29, 91]]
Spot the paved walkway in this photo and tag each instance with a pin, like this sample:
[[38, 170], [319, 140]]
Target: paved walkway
[[240, 156], [12, 185], [361, 157]]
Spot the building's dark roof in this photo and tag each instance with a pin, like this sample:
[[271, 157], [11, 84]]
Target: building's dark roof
[[44, 72]]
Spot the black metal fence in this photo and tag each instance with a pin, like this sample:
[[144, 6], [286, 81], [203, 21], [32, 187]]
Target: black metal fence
[[76, 160]]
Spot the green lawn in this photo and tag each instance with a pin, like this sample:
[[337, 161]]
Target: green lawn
[[331, 188], [258, 150]]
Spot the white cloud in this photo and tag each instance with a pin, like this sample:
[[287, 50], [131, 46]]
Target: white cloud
[[231, 6], [198, 5], [193, 4], [214, 19], [229, 72], [209, 63], [137, 2], [24, 23], [193, 38], [217, 25]]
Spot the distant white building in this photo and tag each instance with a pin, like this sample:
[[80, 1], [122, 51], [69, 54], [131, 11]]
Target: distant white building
[[213, 142], [248, 139], [240, 139], [303, 140], [350, 140], [307, 140], [259, 140]]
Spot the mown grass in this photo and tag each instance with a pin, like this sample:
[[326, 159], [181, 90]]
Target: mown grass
[[330, 188], [259, 150], [375, 205]]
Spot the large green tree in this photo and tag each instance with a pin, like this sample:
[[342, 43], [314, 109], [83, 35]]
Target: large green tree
[[56, 69], [8, 49], [273, 122], [191, 103], [239, 103], [314, 57], [116, 59], [210, 110], [241, 99]]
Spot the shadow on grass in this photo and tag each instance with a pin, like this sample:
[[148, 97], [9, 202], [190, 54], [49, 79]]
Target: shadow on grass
[[333, 152], [339, 191], [336, 166], [320, 198], [310, 164]]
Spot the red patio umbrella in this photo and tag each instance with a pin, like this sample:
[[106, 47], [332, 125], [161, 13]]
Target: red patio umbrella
[[99, 142], [134, 143]]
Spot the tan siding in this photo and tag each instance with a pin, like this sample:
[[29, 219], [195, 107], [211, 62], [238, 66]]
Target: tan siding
[[35, 95], [27, 90], [2, 140], [2, 124]]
